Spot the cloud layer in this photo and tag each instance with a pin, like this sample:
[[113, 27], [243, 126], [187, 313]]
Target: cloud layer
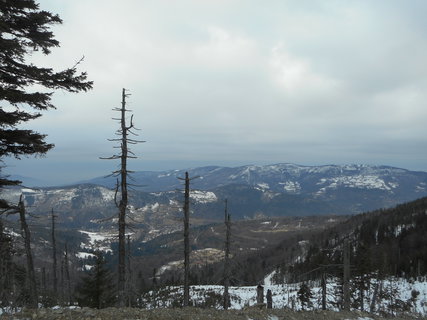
[[239, 81]]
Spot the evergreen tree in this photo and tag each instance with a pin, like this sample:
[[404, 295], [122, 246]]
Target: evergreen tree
[[6, 267], [26, 89], [97, 288], [304, 295]]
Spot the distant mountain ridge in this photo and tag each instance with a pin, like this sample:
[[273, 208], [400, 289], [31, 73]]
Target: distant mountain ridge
[[284, 178], [252, 191]]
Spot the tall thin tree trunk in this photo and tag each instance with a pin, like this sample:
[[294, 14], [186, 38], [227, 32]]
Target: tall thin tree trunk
[[44, 286], [374, 298], [129, 285], [346, 275], [362, 293], [67, 274], [227, 257], [62, 296], [123, 204], [323, 291], [31, 275], [54, 271], [186, 240], [124, 138]]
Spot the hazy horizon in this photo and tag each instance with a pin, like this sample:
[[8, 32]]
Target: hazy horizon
[[40, 181], [237, 82]]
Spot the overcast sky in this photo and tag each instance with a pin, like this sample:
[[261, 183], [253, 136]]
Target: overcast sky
[[233, 82]]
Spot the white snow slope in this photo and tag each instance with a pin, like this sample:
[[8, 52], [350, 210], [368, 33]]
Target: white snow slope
[[397, 294]]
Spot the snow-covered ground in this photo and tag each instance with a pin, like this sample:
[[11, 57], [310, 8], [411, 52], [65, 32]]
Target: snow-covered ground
[[98, 240], [394, 296]]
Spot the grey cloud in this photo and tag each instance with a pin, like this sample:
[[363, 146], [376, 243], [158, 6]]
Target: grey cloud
[[221, 81]]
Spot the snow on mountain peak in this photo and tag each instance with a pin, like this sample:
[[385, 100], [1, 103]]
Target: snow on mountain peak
[[357, 181], [203, 196]]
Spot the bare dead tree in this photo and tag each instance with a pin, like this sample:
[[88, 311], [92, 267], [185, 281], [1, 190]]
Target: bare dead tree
[[187, 239], [30, 279], [346, 275], [54, 271], [323, 284], [125, 153], [227, 221], [31, 275], [129, 286], [374, 298], [44, 287], [62, 296], [67, 274], [269, 297]]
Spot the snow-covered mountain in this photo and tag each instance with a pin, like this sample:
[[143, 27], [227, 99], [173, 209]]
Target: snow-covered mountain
[[285, 178], [271, 190], [290, 189]]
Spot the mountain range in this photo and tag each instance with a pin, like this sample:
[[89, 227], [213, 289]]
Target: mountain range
[[264, 240], [261, 201], [284, 178], [252, 191]]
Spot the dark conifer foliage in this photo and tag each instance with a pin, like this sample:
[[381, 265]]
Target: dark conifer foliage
[[97, 287], [388, 242], [304, 295], [6, 266], [26, 89]]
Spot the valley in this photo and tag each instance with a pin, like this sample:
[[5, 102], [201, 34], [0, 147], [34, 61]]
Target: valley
[[283, 217]]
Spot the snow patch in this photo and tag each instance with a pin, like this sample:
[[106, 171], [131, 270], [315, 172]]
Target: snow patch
[[357, 181], [151, 207], [84, 255], [263, 186], [286, 295], [203, 196], [98, 241], [291, 186]]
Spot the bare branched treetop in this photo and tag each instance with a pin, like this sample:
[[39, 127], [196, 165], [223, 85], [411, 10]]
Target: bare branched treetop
[[125, 130]]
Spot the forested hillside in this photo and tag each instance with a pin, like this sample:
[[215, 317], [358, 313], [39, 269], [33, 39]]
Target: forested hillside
[[388, 242]]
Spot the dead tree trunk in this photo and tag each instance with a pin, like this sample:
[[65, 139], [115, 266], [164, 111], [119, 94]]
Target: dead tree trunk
[[123, 203], [323, 291], [62, 282], [374, 298], [259, 294], [269, 299], [31, 276], [67, 275], [44, 289], [125, 154], [362, 292], [227, 258], [186, 209], [186, 240], [346, 275], [129, 287], [54, 271]]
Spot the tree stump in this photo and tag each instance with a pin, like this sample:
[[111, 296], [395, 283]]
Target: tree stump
[[269, 299], [260, 294]]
